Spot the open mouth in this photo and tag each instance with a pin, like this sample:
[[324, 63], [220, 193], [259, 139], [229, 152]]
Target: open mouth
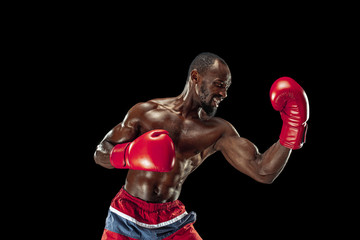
[[216, 101]]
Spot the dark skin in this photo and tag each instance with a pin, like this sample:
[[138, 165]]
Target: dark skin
[[196, 136]]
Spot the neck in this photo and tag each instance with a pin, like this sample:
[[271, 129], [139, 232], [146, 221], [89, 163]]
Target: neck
[[187, 103]]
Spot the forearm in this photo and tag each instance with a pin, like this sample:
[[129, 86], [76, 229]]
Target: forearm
[[119, 134], [272, 162], [102, 154]]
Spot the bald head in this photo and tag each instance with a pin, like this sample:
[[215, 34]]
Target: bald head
[[204, 61]]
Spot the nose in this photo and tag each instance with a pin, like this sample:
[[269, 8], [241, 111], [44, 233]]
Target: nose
[[223, 93]]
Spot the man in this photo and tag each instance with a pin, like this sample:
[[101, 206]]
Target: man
[[162, 141]]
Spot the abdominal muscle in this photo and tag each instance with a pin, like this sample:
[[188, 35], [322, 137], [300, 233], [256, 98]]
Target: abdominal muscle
[[150, 189], [157, 187]]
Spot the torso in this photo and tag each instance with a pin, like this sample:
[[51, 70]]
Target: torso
[[194, 141]]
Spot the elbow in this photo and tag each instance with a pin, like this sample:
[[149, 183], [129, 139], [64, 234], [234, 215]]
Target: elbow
[[96, 158], [265, 179], [99, 159], [267, 174]]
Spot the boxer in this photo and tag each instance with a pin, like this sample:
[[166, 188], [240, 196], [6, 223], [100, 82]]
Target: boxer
[[162, 141]]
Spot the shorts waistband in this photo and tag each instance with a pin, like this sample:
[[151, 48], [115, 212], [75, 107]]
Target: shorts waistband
[[151, 207]]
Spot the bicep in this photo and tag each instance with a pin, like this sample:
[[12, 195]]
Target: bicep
[[241, 154], [125, 131], [245, 157], [121, 133]]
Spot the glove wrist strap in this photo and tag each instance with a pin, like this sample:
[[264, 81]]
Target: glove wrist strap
[[293, 137], [118, 155]]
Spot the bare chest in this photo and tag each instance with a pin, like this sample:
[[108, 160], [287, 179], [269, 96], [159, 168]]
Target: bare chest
[[192, 138]]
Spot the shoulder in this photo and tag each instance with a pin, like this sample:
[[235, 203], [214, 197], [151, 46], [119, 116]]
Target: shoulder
[[144, 106], [151, 110], [151, 104], [226, 127], [228, 133], [137, 112], [141, 108]]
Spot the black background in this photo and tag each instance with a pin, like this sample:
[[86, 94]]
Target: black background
[[91, 69]]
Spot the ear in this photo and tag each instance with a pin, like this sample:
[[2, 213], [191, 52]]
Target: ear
[[195, 76]]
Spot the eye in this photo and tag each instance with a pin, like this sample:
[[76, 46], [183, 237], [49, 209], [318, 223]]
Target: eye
[[219, 84]]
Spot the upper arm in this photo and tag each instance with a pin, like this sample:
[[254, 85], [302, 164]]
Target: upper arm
[[132, 125], [125, 131], [240, 152], [128, 129], [245, 157]]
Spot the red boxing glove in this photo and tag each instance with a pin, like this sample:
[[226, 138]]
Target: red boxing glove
[[152, 151], [288, 97]]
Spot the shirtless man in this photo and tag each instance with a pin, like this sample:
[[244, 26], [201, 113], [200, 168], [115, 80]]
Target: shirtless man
[[147, 207]]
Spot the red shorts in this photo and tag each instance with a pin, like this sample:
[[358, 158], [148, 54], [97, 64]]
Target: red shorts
[[132, 218]]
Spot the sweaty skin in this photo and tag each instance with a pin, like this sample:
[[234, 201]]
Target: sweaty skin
[[196, 135]]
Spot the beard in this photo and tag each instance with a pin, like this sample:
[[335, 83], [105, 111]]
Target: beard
[[206, 104], [209, 110]]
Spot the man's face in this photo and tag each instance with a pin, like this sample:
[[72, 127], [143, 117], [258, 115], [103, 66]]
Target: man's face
[[213, 89]]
